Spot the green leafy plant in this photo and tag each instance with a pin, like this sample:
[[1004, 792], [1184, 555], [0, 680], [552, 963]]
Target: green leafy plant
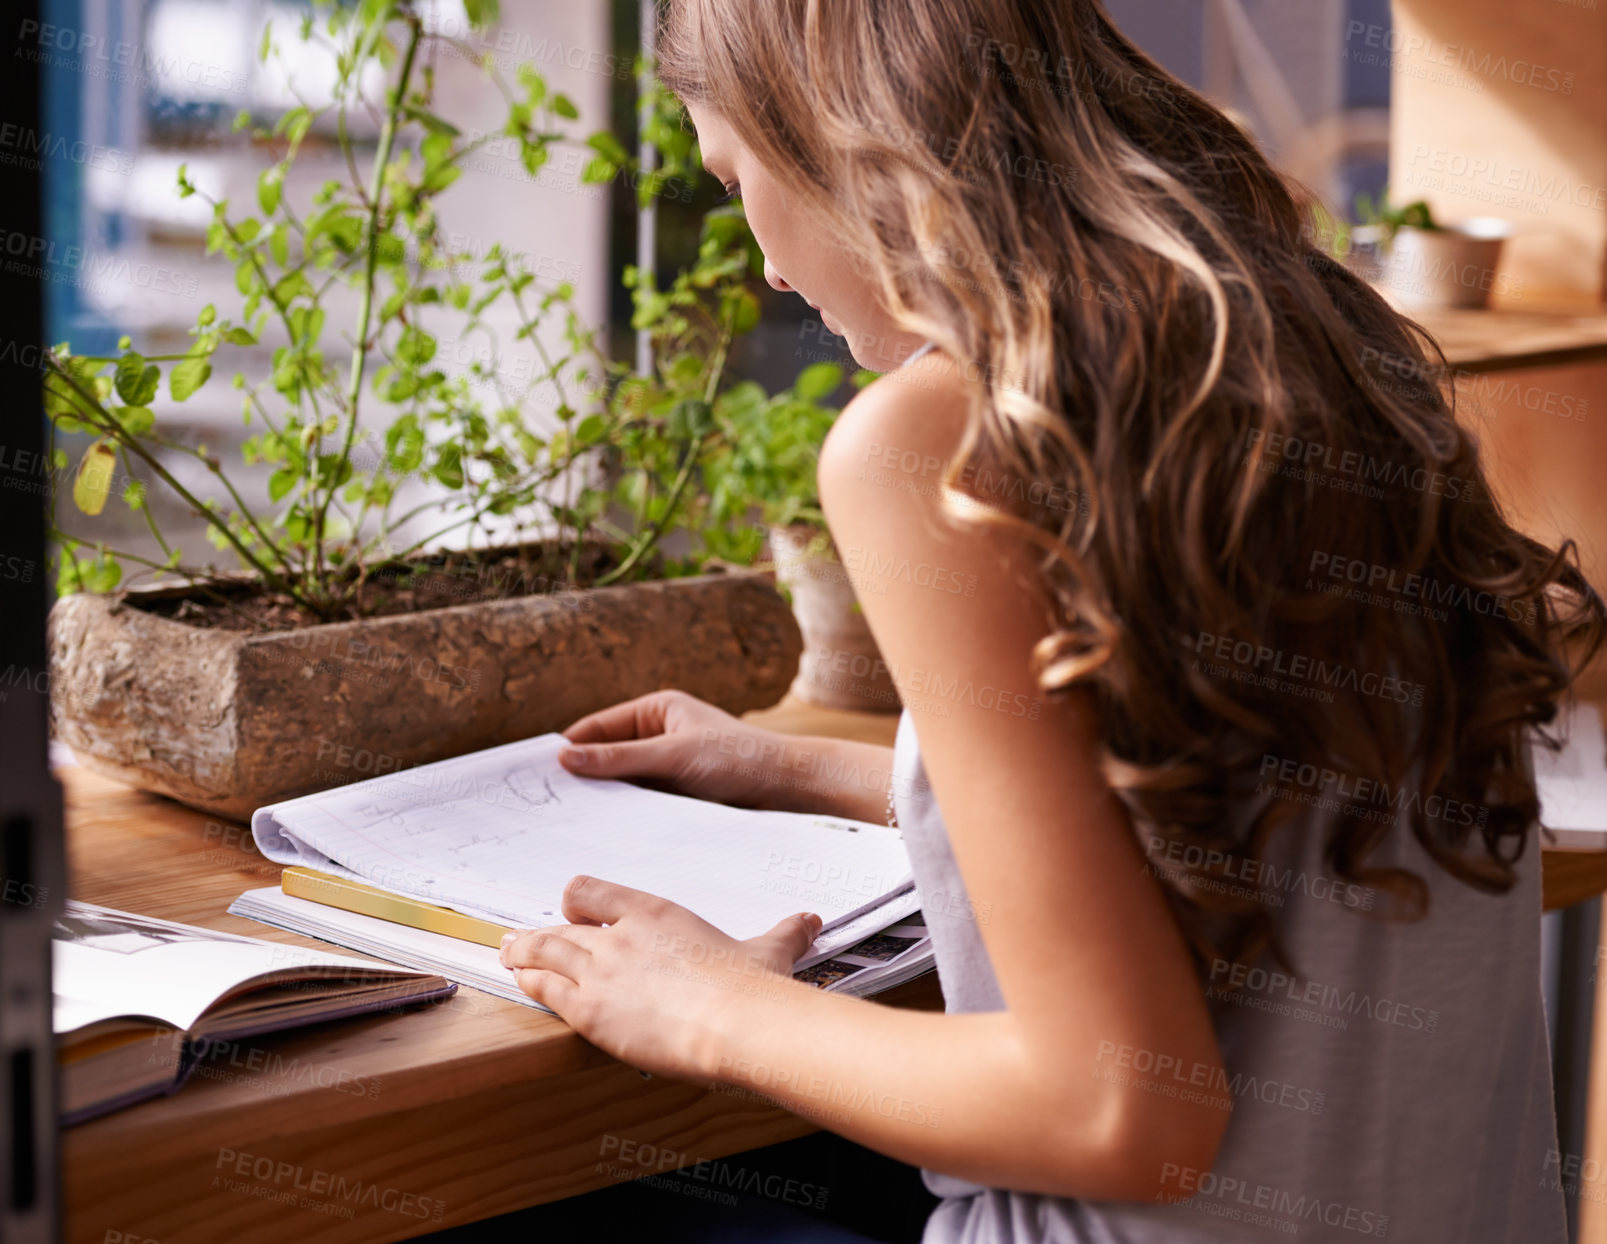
[[1389, 219], [767, 459], [343, 434]]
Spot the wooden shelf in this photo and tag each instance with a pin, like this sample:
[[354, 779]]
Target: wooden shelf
[[1502, 340]]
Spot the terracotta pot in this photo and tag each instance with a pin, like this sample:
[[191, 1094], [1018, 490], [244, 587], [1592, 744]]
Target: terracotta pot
[[227, 721], [841, 666]]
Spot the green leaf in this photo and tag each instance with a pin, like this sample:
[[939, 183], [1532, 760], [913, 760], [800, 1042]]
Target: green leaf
[[281, 482], [136, 380], [609, 147], [404, 445], [743, 308], [415, 347], [449, 467], [103, 574], [481, 12], [817, 381], [187, 377], [136, 420], [565, 107], [431, 122], [240, 337], [94, 479], [270, 183], [435, 149], [691, 417], [599, 172]]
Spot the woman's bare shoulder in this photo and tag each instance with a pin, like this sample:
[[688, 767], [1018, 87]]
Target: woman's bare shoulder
[[899, 432]]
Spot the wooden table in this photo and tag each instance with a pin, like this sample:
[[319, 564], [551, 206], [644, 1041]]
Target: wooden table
[[1509, 340], [447, 1114]]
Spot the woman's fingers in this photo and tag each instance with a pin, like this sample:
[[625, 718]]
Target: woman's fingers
[[551, 989], [588, 900], [553, 950], [639, 758], [630, 719], [789, 941]]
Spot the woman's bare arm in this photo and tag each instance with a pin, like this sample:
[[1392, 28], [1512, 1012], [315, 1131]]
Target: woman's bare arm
[[1088, 960]]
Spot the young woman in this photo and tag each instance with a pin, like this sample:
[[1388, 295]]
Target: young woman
[[1221, 668]]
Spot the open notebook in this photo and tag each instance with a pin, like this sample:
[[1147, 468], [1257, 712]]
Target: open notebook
[[498, 834], [138, 1001]]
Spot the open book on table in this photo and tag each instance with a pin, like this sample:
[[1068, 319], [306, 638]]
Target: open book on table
[[137, 1000]]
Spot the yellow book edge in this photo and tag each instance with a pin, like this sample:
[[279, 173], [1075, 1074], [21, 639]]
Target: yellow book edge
[[365, 900]]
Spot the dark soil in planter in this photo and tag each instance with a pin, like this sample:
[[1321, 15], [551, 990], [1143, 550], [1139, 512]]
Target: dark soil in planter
[[430, 581]]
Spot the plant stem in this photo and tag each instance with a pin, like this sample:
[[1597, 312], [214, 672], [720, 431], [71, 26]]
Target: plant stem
[[636, 554], [112, 428], [354, 387]]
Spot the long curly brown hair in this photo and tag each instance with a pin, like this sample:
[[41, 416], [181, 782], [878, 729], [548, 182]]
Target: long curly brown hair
[[1284, 559]]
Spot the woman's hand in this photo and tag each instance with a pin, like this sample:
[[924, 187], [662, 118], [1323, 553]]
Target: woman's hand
[[648, 987], [680, 743]]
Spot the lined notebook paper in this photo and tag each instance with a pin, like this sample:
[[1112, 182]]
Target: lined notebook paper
[[499, 833]]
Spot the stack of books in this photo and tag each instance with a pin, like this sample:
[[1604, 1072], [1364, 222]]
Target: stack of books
[[428, 867]]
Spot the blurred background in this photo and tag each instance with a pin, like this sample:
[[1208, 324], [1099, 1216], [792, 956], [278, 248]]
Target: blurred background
[[137, 88]]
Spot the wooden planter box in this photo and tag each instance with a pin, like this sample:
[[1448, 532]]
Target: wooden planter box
[[227, 721]]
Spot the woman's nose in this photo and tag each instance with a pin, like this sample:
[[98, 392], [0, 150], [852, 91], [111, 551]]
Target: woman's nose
[[774, 279]]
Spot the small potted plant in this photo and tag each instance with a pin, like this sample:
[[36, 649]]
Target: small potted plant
[[339, 624], [767, 463], [1425, 264]]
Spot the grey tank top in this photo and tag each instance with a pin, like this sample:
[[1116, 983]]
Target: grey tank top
[[1399, 1089]]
